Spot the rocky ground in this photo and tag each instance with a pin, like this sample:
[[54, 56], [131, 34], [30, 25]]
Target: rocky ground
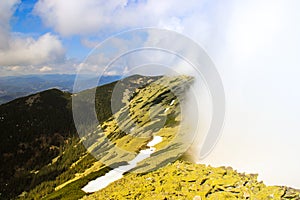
[[184, 180]]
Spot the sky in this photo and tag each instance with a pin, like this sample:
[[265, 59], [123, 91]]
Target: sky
[[254, 44]]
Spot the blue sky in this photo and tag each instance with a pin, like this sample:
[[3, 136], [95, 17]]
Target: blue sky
[[25, 21], [65, 32], [254, 44]]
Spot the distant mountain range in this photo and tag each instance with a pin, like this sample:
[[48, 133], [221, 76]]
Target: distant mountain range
[[12, 87], [42, 156]]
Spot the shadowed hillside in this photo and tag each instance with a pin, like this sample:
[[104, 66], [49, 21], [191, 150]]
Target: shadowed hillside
[[38, 137], [34, 130]]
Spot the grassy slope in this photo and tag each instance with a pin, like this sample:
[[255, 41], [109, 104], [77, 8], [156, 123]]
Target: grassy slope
[[38, 128], [73, 167], [144, 117], [69, 183]]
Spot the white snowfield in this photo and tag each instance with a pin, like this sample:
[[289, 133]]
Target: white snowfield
[[117, 173]]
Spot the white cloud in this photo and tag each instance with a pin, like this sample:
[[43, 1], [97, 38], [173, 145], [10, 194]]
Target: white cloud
[[256, 54], [14, 68], [28, 51], [89, 43], [67, 67], [91, 16], [46, 69], [75, 17], [7, 8], [16, 49]]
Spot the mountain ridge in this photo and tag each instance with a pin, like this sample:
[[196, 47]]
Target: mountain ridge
[[42, 117], [64, 166]]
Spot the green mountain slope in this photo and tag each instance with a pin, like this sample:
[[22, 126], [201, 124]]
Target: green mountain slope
[[106, 143], [39, 142], [148, 112], [33, 130], [45, 158]]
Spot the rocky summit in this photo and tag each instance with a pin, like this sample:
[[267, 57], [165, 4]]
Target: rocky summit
[[183, 180]]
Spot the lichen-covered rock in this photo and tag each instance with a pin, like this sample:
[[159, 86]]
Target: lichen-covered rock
[[184, 180]]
